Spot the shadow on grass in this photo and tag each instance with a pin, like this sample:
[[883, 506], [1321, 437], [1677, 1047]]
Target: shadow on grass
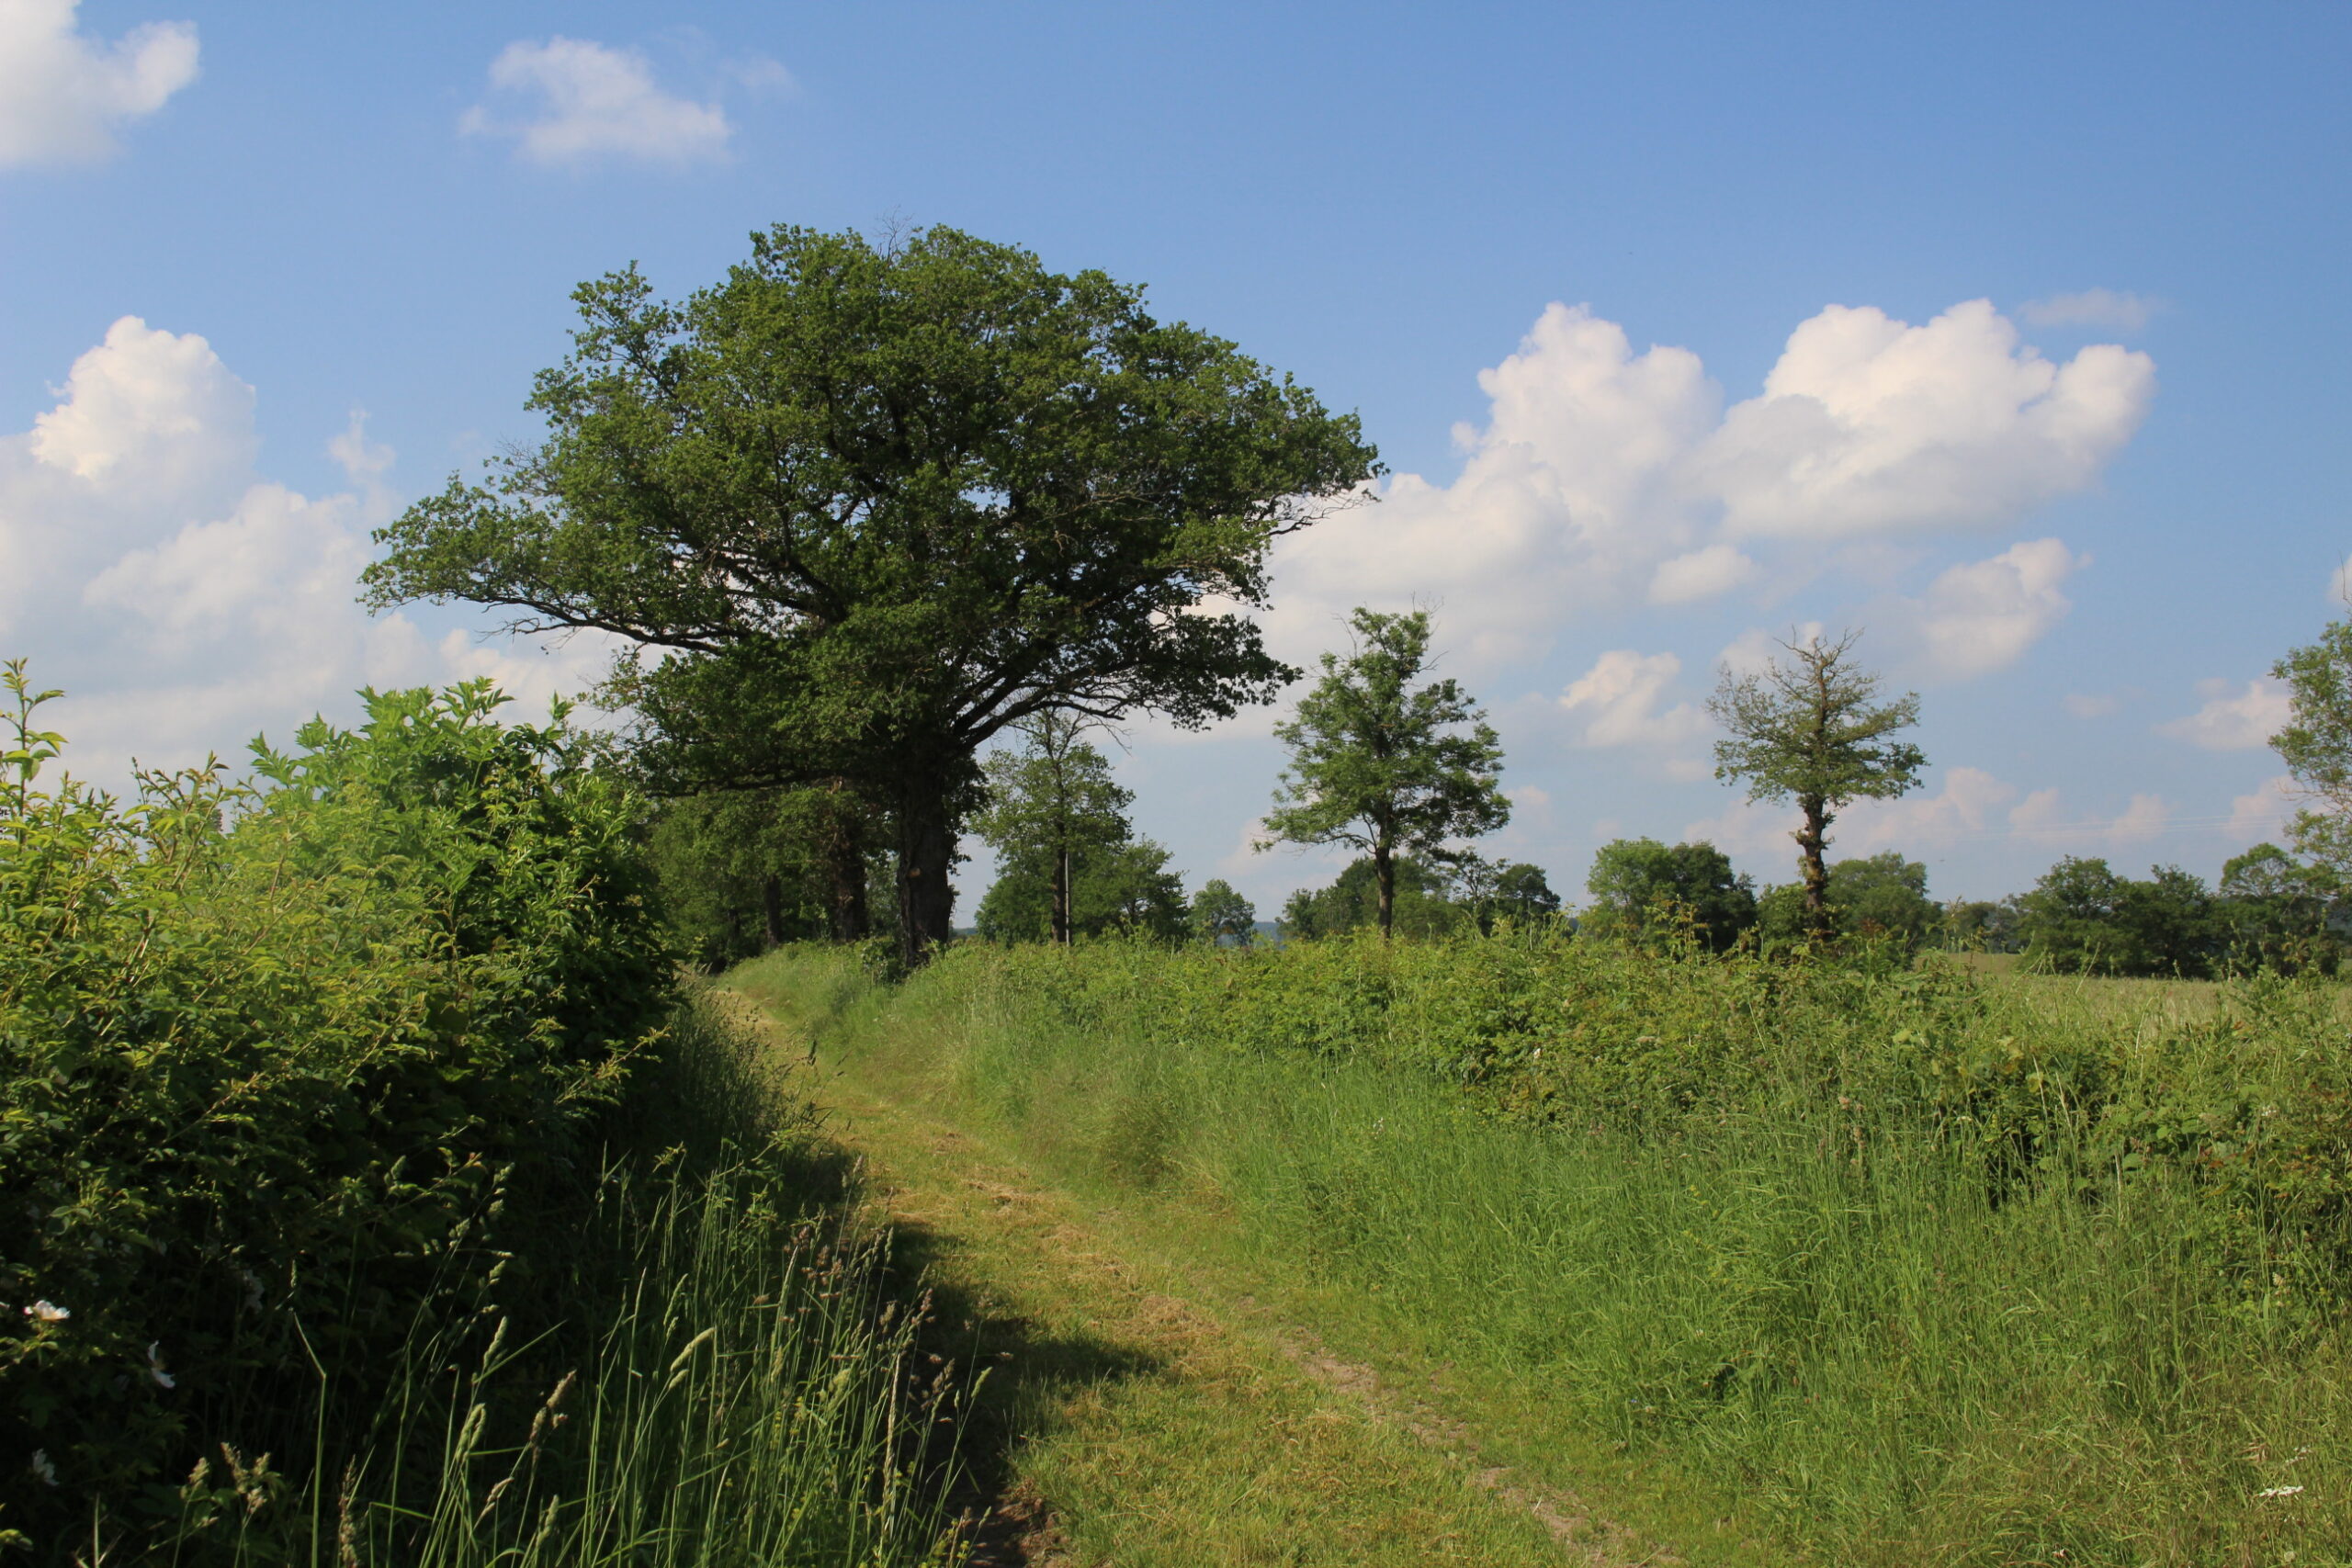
[[1010, 1374]]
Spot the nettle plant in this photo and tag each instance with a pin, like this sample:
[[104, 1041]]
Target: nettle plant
[[271, 1055]]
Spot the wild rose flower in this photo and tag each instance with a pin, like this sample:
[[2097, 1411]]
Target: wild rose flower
[[47, 1311]]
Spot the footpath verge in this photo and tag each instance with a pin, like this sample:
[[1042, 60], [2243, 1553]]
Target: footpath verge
[[1149, 1399]]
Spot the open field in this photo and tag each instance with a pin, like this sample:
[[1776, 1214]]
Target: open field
[[1784, 1320]]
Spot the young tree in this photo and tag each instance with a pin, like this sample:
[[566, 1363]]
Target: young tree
[[1219, 912], [1812, 729], [1383, 766], [1053, 805], [861, 508], [1068, 862], [1639, 886], [2316, 744], [1488, 890]]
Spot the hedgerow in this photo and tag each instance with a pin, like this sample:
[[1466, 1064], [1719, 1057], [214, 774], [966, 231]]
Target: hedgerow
[[284, 1065]]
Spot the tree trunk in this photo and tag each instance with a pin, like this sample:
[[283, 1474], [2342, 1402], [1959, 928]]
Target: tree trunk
[[772, 909], [926, 853], [1057, 915], [1383, 874], [1813, 839], [844, 850]]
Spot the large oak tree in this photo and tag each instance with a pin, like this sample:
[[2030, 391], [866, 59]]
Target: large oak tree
[[860, 507]]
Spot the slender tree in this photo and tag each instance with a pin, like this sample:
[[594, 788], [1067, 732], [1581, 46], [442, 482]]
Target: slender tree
[[859, 508], [1384, 765], [1053, 803], [1811, 728]]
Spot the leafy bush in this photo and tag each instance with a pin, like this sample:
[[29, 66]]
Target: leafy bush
[[274, 1058]]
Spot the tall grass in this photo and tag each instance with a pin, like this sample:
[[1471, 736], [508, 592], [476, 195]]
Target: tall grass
[[713, 1371], [1904, 1340]]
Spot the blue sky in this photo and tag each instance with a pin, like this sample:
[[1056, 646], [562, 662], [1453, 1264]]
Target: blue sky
[[2014, 335]]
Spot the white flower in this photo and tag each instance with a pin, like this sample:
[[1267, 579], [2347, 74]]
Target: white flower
[[2279, 1491], [155, 1366], [47, 1311], [42, 1468]]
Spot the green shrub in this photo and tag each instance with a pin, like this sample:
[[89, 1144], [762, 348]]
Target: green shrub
[[280, 1065]]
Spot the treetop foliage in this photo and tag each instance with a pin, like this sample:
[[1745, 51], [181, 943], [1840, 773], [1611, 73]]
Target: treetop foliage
[[1381, 765], [2316, 743], [1642, 888], [858, 508], [933, 485], [1811, 727]]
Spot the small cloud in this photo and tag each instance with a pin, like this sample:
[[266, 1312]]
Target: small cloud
[[63, 96], [2089, 704], [758, 73], [2037, 813], [1702, 574], [1962, 807], [597, 103], [2039, 817], [1982, 616], [2233, 720], [2144, 818], [2104, 308], [2264, 813], [1619, 698]]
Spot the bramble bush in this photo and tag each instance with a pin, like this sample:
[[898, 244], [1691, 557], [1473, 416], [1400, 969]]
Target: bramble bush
[[282, 1067]]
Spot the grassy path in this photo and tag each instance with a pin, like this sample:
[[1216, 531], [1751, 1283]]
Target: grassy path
[[1147, 1403]]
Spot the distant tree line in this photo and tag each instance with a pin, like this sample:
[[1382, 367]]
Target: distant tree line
[[2269, 911]]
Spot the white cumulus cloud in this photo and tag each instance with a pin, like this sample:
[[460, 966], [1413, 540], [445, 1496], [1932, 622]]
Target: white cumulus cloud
[[1702, 574], [1983, 616], [2233, 719], [596, 104], [1603, 476], [63, 96], [1620, 700], [184, 601], [1869, 425], [2089, 704], [2263, 813]]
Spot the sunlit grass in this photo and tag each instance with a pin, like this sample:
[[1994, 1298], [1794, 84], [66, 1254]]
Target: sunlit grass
[[1811, 1306]]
